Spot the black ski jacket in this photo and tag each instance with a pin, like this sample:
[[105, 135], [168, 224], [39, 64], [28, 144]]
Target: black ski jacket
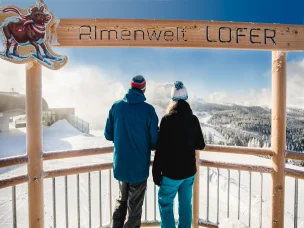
[[180, 135]]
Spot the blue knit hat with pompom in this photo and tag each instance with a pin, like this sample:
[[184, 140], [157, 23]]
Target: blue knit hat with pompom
[[179, 91]]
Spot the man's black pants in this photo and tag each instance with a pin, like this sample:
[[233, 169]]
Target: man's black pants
[[131, 198]]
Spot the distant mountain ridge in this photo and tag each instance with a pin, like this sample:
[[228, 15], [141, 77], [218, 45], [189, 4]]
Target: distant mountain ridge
[[239, 124]]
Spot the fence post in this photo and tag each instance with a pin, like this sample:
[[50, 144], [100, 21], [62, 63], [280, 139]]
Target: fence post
[[195, 207], [278, 137], [34, 144]]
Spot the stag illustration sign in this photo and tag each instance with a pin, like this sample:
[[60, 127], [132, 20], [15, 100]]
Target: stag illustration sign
[[26, 35]]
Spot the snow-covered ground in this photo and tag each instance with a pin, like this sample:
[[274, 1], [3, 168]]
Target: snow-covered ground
[[62, 136], [203, 117]]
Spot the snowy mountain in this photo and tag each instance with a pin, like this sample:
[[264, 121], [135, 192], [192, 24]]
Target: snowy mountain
[[233, 124]]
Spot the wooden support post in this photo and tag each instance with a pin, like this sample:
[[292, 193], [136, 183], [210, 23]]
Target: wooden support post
[[278, 137], [195, 207], [34, 144]]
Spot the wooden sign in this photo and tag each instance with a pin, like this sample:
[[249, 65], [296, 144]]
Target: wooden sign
[[26, 35], [179, 33]]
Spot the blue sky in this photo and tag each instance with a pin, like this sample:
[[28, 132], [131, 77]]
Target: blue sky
[[207, 70]]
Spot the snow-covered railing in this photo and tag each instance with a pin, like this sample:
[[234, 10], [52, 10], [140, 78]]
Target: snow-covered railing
[[294, 155], [10, 161], [13, 181], [76, 153], [239, 150], [234, 166]]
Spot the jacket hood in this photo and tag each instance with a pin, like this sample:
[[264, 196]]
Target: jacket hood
[[182, 108], [134, 97]]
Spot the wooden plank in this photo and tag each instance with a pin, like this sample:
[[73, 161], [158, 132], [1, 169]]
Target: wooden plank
[[238, 150], [77, 170], [179, 33], [10, 161], [278, 138], [294, 155], [152, 223], [196, 191], [12, 181], [34, 144], [144, 223], [235, 166], [76, 153], [294, 173], [51, 155]]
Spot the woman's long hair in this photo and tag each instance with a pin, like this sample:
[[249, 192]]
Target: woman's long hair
[[171, 106]]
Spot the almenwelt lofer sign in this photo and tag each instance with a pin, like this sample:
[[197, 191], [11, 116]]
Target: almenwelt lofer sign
[[29, 34], [175, 33]]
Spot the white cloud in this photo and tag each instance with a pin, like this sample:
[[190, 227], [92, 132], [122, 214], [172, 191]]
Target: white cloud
[[295, 83], [262, 97], [92, 91], [89, 90], [12, 76]]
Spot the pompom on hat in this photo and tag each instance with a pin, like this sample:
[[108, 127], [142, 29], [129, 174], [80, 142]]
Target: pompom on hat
[[139, 83], [179, 91]]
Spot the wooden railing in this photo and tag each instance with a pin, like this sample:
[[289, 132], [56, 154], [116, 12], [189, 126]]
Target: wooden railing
[[64, 172], [52, 155]]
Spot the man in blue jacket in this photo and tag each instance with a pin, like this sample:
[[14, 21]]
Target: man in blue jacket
[[132, 125]]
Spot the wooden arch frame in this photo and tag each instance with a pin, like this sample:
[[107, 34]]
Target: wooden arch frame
[[168, 34], [193, 34]]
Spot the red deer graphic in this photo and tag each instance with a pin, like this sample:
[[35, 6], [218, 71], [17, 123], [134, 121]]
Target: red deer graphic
[[27, 30]]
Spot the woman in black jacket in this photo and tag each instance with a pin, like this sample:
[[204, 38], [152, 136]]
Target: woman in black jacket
[[174, 165]]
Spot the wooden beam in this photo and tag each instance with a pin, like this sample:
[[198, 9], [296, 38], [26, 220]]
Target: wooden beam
[[294, 155], [15, 160], [76, 153], [238, 150], [294, 173], [34, 144], [178, 34], [13, 181], [235, 166], [196, 192], [147, 223], [278, 137], [77, 170]]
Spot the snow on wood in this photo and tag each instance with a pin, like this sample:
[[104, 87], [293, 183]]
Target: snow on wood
[[234, 166], [76, 153], [4, 183], [239, 150], [14, 160]]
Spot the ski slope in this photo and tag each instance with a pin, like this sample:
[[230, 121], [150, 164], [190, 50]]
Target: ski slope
[[62, 136]]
